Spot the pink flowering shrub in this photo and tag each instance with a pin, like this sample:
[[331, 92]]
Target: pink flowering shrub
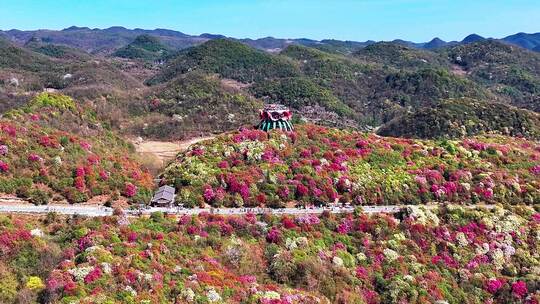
[[130, 190], [519, 289], [494, 285], [93, 275], [4, 150], [34, 157], [273, 236]]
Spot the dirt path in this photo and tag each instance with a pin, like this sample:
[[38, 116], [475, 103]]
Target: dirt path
[[166, 150]]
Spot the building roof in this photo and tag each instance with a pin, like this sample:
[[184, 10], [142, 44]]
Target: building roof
[[164, 193], [167, 188], [275, 107]]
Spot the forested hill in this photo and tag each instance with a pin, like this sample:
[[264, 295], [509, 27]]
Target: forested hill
[[147, 87]]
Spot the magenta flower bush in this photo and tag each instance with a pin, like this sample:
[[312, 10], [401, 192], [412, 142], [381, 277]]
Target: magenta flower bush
[[130, 190]]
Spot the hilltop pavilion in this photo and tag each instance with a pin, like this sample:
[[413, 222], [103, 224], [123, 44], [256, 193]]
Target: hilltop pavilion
[[275, 116]]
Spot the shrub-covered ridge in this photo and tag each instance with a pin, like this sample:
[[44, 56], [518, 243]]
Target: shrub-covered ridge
[[318, 165], [455, 118], [42, 160]]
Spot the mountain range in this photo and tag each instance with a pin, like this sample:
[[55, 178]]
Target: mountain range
[[169, 85], [106, 41]]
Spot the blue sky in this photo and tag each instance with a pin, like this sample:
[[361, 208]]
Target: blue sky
[[416, 20]]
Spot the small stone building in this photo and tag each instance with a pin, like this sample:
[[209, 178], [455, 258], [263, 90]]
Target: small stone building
[[164, 196]]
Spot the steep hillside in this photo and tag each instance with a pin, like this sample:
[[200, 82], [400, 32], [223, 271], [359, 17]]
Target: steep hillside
[[47, 66], [456, 118], [107, 41], [102, 41], [299, 93], [145, 47], [362, 91], [194, 104], [472, 38], [435, 43], [14, 57], [23, 71], [511, 73], [379, 85], [316, 63], [426, 87], [318, 166], [52, 149], [275, 78], [97, 82]]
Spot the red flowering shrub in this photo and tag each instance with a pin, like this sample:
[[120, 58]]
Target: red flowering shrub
[[273, 236], [132, 236], [79, 183], [493, 285], [4, 167], [85, 145], [535, 170], [301, 191], [34, 157], [209, 194], [288, 223]]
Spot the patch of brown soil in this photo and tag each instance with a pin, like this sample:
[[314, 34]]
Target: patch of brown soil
[[458, 70], [165, 151]]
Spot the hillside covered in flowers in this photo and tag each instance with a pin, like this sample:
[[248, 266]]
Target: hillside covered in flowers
[[53, 149], [317, 165], [447, 255]]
